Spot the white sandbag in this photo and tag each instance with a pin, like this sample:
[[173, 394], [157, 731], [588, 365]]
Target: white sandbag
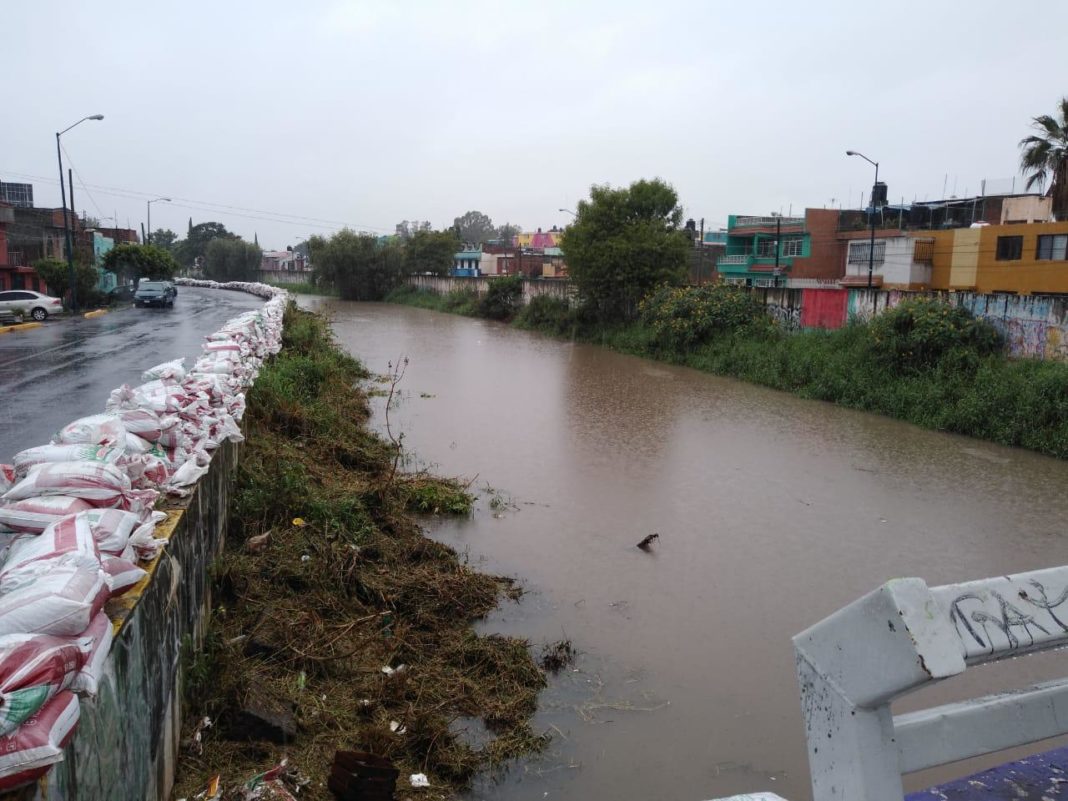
[[97, 639], [54, 596], [123, 573], [98, 429], [79, 452], [33, 668], [58, 540], [109, 529], [144, 541], [145, 423], [99, 483], [7, 477], [29, 752], [36, 514], [168, 371]]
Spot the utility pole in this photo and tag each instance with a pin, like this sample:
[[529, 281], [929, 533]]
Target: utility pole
[[70, 247], [778, 246], [701, 253]]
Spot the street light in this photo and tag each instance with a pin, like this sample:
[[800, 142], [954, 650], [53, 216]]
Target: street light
[[871, 245], [569, 211], [66, 218], [148, 205]]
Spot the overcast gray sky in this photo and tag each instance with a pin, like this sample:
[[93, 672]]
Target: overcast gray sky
[[305, 116]]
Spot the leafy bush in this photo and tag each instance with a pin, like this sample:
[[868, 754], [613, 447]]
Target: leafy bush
[[461, 301], [682, 318], [919, 333], [547, 314], [503, 299]]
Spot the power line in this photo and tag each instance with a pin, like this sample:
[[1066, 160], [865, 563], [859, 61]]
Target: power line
[[204, 205]]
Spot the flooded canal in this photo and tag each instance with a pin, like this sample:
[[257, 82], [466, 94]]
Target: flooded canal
[[772, 512]]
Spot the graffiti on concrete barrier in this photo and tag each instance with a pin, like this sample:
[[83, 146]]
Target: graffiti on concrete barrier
[[990, 622]]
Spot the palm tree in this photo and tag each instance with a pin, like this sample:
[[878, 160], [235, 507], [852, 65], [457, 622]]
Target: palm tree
[[1046, 155]]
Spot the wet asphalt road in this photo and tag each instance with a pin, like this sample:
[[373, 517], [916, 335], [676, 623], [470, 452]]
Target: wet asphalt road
[[52, 375]]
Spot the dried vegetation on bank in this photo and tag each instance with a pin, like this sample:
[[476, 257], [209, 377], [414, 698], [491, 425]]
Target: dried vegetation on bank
[[325, 581]]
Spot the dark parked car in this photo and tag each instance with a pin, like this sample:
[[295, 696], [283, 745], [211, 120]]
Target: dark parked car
[[154, 293], [122, 294]]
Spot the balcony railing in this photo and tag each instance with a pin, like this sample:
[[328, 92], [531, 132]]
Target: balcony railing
[[742, 259], [764, 222], [859, 252]]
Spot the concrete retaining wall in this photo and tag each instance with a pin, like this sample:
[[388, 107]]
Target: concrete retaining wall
[[127, 741], [532, 287]]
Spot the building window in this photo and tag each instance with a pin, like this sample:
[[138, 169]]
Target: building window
[[1010, 248], [859, 252], [792, 247], [1052, 246], [766, 248]]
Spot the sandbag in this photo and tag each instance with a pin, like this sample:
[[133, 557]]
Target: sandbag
[[25, 460], [99, 483], [168, 371], [33, 668], [28, 752], [34, 515], [110, 529], [123, 573], [97, 639], [98, 429], [54, 596], [59, 539]]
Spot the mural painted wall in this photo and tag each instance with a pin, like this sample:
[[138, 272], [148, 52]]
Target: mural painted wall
[[539, 239]]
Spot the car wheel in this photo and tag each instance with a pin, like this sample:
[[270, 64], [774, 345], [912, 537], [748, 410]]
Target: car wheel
[[39, 314]]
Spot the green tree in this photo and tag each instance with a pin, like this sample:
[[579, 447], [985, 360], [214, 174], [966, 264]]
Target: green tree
[[232, 260], [507, 232], [624, 243], [474, 228], [430, 252], [163, 238], [130, 262], [358, 266], [56, 274], [1046, 155], [195, 244], [406, 229]]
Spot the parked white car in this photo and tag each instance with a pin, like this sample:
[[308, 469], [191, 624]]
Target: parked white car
[[35, 304]]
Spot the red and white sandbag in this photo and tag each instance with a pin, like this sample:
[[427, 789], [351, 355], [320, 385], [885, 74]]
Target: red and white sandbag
[[145, 423], [63, 537], [97, 429], [123, 573], [110, 529], [34, 515], [97, 640], [25, 460], [99, 483], [33, 668], [7, 477], [28, 752], [53, 596]]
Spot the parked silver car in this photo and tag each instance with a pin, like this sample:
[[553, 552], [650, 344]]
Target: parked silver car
[[35, 304]]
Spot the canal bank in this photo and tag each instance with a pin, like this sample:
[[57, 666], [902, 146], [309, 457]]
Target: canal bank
[[773, 512], [963, 390]]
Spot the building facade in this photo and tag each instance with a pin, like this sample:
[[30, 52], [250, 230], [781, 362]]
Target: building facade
[[1018, 259]]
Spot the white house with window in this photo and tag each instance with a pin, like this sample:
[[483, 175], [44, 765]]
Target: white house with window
[[898, 262]]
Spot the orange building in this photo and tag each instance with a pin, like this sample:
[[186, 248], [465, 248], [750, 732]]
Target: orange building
[[1019, 259]]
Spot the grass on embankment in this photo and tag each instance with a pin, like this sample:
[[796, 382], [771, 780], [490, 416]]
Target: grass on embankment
[[1018, 402], [326, 579]]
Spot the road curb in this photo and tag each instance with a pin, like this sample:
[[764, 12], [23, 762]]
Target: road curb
[[94, 313], [19, 327]]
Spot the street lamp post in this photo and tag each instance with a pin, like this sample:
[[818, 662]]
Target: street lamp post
[[148, 205], [871, 244], [66, 217], [569, 211]]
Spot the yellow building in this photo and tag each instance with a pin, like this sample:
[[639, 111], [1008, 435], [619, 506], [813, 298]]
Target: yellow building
[[1022, 259]]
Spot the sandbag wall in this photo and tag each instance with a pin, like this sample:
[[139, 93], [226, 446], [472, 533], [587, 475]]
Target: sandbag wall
[[106, 538]]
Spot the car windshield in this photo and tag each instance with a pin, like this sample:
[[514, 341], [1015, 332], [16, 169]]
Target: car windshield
[[155, 285]]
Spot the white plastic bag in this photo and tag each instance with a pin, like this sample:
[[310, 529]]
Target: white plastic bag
[[168, 371], [97, 639]]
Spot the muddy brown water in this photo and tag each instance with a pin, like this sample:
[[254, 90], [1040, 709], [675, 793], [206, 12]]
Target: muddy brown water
[[772, 512]]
